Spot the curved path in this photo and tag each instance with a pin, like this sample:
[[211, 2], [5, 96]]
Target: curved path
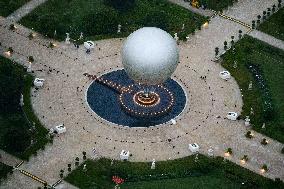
[[62, 100]]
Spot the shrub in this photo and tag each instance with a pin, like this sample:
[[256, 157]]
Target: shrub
[[229, 150], [249, 134], [264, 141], [31, 59]]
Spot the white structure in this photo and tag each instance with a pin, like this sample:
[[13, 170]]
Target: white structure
[[81, 36], [193, 147], [173, 121], [38, 82], [250, 85], [118, 28], [176, 37], [210, 152], [67, 39], [247, 121], [22, 100], [153, 165], [29, 69], [89, 44], [150, 56], [124, 155], [232, 116], [225, 75], [60, 129]]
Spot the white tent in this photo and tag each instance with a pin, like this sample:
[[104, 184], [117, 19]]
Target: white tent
[[89, 44], [193, 147], [225, 75], [38, 82], [124, 155], [232, 116]]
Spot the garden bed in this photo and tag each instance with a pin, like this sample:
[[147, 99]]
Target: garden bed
[[264, 66], [16, 123], [274, 25], [179, 173]]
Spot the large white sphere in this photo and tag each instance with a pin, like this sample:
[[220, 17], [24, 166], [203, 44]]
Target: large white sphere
[[150, 56]]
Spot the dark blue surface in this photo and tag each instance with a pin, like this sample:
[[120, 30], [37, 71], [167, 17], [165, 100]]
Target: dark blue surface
[[104, 102]]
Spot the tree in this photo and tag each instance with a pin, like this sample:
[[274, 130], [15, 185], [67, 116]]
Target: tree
[[104, 22], [157, 19], [120, 5]]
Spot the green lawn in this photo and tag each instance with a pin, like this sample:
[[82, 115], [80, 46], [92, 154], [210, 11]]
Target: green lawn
[[274, 25], [4, 170], [9, 6], [266, 97], [182, 173], [97, 19], [16, 133]]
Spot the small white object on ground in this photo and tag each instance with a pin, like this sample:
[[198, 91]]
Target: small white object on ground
[[124, 155], [193, 147], [225, 75], [89, 44], [38, 82], [232, 116]]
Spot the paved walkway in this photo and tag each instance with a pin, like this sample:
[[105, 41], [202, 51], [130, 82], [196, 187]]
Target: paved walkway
[[267, 39], [9, 159], [24, 10], [62, 100]]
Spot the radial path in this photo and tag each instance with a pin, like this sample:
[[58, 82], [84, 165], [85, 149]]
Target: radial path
[[62, 100]]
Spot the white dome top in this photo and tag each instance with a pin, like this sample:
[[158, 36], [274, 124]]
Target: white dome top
[[150, 56]]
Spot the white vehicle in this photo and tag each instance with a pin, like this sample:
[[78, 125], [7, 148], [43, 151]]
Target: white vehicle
[[60, 129], [124, 155], [225, 75], [232, 116], [38, 82], [173, 121], [89, 44], [193, 147]]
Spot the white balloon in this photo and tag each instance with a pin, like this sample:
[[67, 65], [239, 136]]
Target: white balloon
[[150, 56]]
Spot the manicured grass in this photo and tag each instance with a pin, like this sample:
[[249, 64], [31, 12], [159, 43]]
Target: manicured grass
[[4, 170], [267, 85], [98, 20], [274, 25], [217, 5], [15, 122], [9, 6], [179, 174]]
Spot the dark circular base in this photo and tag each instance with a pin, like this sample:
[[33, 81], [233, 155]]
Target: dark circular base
[[105, 102]]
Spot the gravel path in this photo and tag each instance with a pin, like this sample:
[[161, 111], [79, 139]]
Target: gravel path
[[267, 39], [24, 10], [62, 100]]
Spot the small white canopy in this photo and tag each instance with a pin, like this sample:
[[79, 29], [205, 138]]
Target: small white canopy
[[89, 44], [124, 155], [193, 147], [225, 75], [60, 129], [38, 82], [232, 116]]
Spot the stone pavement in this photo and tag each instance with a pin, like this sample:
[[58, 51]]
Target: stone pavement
[[9, 159], [62, 100], [267, 39], [24, 10]]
